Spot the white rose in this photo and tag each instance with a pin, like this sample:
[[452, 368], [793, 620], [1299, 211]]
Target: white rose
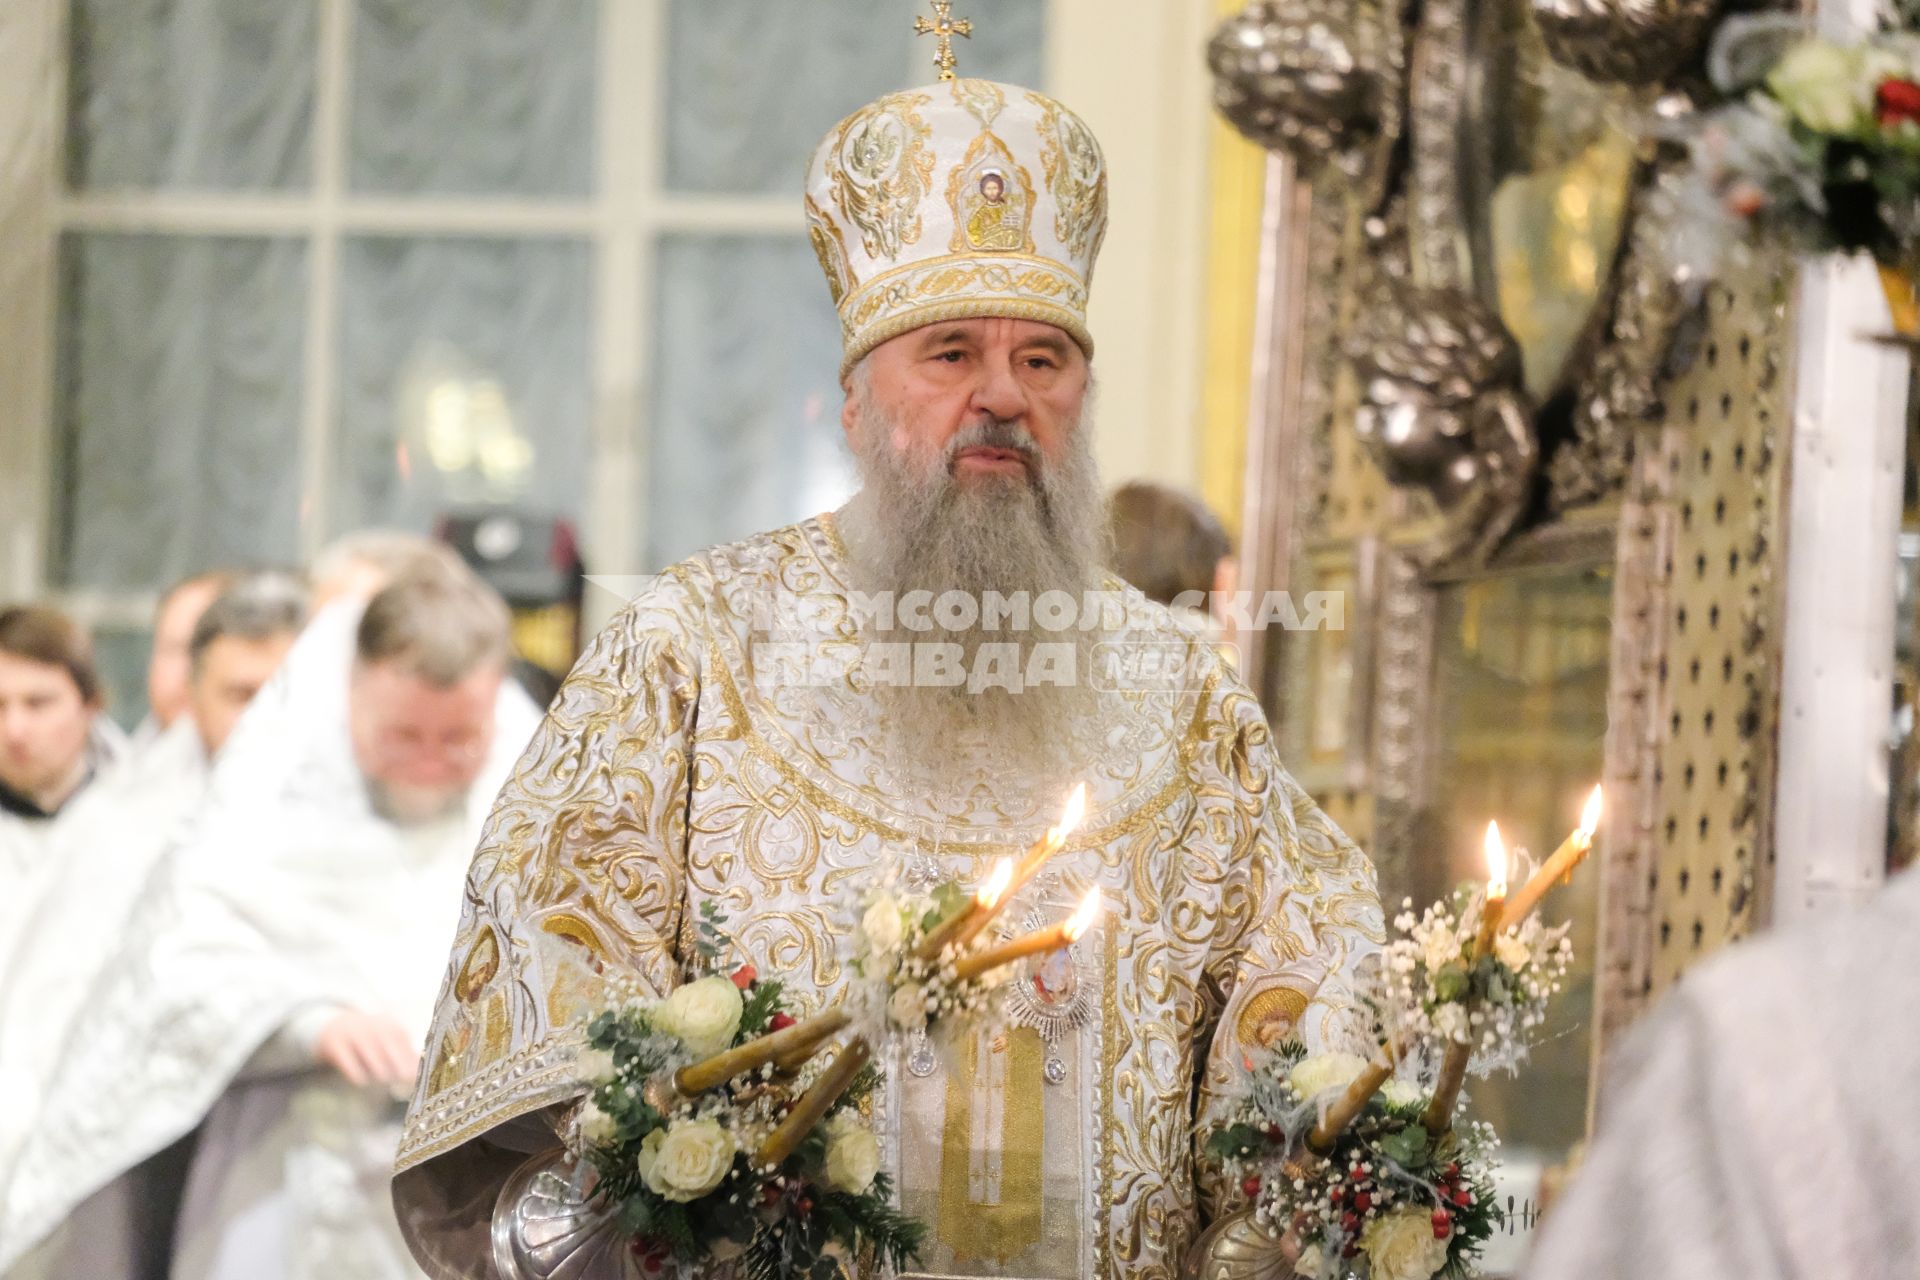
[[1441, 948], [880, 926], [1821, 83], [1878, 64], [686, 1160], [1314, 1076], [908, 1007], [596, 1126], [1512, 952], [704, 1015], [1450, 1020], [853, 1154], [1400, 1245], [593, 1066], [1398, 1093], [1310, 1262]]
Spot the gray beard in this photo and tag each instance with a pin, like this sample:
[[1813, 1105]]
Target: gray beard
[[405, 806], [913, 527]]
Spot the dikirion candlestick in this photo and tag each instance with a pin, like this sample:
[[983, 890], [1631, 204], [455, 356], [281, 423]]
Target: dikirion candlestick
[[1326, 1131], [1438, 1117], [1005, 880], [1040, 941], [798, 1041], [814, 1103]]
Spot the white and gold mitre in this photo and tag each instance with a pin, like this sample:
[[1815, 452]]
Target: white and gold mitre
[[965, 198]]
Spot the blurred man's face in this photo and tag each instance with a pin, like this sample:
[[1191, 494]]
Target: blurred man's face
[[420, 746], [170, 670], [232, 670], [43, 725]]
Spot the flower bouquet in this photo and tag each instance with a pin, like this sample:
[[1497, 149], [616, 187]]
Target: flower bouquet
[[1359, 1158], [711, 1125], [706, 1173], [1817, 148]]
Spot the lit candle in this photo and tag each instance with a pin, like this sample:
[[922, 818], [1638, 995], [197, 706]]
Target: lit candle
[[814, 1103], [1054, 840], [1060, 935], [986, 903], [986, 900], [1003, 884], [1558, 867], [1491, 910], [798, 1040]]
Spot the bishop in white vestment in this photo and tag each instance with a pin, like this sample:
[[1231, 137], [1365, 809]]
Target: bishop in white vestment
[[752, 735]]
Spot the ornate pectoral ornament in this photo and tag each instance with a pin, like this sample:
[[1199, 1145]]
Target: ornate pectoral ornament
[[1443, 413], [1052, 993]]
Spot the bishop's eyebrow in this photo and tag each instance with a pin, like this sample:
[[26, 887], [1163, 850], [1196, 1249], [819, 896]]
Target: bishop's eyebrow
[[949, 334], [1052, 343]]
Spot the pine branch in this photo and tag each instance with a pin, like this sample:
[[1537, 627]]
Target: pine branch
[[763, 1001]]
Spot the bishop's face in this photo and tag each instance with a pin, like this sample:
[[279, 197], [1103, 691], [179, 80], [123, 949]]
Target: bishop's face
[[937, 382], [420, 745], [44, 720]]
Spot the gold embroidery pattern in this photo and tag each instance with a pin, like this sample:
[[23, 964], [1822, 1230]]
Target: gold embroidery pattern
[[991, 195], [1076, 175], [982, 99], [831, 248], [960, 288], [882, 168], [661, 781]]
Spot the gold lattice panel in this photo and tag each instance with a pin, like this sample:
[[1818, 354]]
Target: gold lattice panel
[[1357, 492], [1691, 853]]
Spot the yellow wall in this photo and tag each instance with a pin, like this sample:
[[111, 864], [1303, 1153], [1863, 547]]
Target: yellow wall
[[1173, 296], [1232, 269]]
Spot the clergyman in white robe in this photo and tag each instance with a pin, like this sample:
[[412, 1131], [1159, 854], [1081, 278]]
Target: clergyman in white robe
[[30, 842], [1765, 1122], [289, 899], [98, 853]]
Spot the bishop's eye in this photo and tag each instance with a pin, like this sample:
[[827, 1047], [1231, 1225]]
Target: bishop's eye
[[951, 357]]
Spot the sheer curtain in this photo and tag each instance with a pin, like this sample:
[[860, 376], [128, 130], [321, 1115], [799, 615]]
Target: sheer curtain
[[288, 309]]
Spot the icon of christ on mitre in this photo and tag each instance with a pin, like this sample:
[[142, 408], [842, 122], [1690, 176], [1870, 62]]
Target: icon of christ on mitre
[[902, 691]]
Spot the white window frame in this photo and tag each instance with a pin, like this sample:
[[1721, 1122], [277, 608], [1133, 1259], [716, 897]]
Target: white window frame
[[1149, 109]]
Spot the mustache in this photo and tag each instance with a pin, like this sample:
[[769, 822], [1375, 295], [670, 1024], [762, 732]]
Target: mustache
[[995, 433]]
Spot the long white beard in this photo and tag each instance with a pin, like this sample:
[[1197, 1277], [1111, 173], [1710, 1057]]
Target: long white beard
[[914, 527]]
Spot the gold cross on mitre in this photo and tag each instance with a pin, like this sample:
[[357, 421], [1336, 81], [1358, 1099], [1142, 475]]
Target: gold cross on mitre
[[943, 25]]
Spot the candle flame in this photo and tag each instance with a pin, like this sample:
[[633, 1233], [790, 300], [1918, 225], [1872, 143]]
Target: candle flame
[[1496, 862], [995, 883], [1069, 817], [1590, 816], [1084, 916]]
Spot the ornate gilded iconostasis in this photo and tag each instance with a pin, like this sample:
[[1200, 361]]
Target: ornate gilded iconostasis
[[1549, 489]]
